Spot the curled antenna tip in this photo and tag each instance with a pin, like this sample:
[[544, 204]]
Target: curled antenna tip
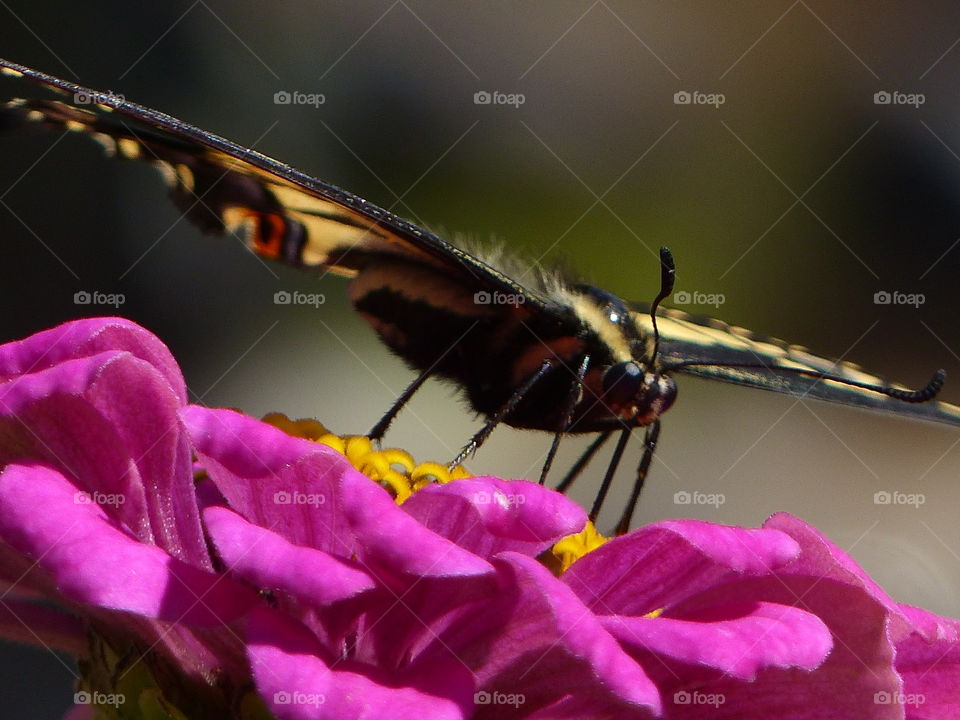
[[927, 392]]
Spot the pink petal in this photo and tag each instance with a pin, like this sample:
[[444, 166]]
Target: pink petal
[[537, 639], [297, 684], [83, 338], [663, 563], [844, 686], [95, 562], [110, 421], [263, 473], [488, 515], [821, 558], [928, 660], [267, 560], [739, 641]]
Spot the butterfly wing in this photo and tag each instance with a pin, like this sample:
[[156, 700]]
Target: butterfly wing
[[689, 338], [223, 187]]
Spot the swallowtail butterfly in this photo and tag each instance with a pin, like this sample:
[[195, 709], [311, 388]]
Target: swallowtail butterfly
[[548, 355]]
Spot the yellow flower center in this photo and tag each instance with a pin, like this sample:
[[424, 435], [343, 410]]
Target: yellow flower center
[[397, 471], [392, 468]]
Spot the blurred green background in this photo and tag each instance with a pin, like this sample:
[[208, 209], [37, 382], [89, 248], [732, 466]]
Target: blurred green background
[[796, 199]]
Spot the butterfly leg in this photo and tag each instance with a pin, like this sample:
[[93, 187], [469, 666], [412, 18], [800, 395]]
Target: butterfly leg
[[573, 399], [380, 429], [583, 461], [483, 433], [608, 476], [649, 446]]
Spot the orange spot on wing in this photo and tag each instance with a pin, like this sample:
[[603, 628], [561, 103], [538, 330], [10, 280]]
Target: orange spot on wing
[[268, 234]]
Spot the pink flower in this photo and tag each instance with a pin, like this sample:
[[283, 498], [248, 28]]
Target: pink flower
[[281, 568]]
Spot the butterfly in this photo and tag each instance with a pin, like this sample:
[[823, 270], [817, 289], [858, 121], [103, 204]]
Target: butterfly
[[543, 353]]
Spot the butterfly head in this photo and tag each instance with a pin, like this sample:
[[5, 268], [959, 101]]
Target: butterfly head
[[637, 394]]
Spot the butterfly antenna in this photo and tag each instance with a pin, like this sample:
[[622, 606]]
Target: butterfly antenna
[[668, 275]]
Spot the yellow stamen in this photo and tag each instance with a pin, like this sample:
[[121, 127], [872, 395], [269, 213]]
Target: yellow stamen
[[393, 468], [573, 547], [398, 472]]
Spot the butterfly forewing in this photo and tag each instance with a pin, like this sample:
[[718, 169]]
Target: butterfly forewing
[[686, 338], [221, 186]]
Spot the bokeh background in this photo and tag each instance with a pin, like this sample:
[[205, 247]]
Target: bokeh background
[[796, 199]]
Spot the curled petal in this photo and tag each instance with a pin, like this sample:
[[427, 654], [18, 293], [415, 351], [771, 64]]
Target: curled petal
[[83, 338], [737, 640], [312, 496], [267, 560], [821, 558], [488, 515], [93, 561], [110, 421], [538, 640], [296, 683], [663, 563]]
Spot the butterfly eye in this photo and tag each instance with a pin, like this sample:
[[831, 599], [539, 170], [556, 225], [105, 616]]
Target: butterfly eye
[[622, 382]]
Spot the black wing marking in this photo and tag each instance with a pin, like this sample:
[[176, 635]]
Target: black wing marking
[[689, 338], [223, 187]]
